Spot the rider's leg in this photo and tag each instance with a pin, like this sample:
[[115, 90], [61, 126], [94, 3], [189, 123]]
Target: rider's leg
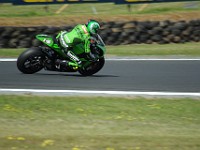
[[65, 42], [76, 62]]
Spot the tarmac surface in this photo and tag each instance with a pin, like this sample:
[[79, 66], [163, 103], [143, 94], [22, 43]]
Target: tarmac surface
[[117, 75]]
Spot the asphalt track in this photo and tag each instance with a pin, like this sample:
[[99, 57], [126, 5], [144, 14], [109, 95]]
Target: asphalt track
[[143, 75]]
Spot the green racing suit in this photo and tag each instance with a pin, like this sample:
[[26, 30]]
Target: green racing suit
[[79, 34]]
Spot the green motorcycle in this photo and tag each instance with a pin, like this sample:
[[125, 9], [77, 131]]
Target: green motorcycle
[[36, 58]]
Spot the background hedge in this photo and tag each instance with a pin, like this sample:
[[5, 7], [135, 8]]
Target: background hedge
[[113, 33]]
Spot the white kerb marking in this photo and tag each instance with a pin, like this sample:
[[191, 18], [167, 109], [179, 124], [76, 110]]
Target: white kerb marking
[[134, 93]]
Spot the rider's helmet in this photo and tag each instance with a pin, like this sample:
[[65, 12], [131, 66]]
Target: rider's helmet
[[93, 27]]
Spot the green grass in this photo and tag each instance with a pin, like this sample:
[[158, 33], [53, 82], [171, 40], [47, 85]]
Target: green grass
[[82, 123], [163, 8], [11, 52], [8, 10], [187, 49]]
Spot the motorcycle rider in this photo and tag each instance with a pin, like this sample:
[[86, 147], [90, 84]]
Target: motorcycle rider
[[81, 33]]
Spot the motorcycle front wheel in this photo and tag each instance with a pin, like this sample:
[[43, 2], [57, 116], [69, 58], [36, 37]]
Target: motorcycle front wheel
[[93, 67], [30, 61]]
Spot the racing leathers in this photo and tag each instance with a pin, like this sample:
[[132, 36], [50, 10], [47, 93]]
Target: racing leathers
[[79, 35]]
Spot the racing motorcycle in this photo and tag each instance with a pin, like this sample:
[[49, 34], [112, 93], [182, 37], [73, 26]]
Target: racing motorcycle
[[36, 58]]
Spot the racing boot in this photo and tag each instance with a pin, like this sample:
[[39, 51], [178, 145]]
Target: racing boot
[[62, 65]]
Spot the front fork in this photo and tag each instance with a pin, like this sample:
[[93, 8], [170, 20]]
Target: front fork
[[87, 65]]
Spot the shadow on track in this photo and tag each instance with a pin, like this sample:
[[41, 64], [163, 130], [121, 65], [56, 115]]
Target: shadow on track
[[75, 75]]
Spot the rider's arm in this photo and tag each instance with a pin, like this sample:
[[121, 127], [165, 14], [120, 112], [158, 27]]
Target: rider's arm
[[88, 52], [87, 45], [62, 39]]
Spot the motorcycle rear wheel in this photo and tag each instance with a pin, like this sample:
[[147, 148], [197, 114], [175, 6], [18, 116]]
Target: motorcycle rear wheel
[[30, 61]]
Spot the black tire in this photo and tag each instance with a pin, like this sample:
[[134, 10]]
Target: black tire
[[30, 61], [93, 68]]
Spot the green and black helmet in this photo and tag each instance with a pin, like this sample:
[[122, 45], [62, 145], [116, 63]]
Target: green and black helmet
[[93, 26]]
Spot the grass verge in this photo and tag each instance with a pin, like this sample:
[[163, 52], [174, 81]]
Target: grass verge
[[186, 49], [12, 15], [82, 123], [9, 10]]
